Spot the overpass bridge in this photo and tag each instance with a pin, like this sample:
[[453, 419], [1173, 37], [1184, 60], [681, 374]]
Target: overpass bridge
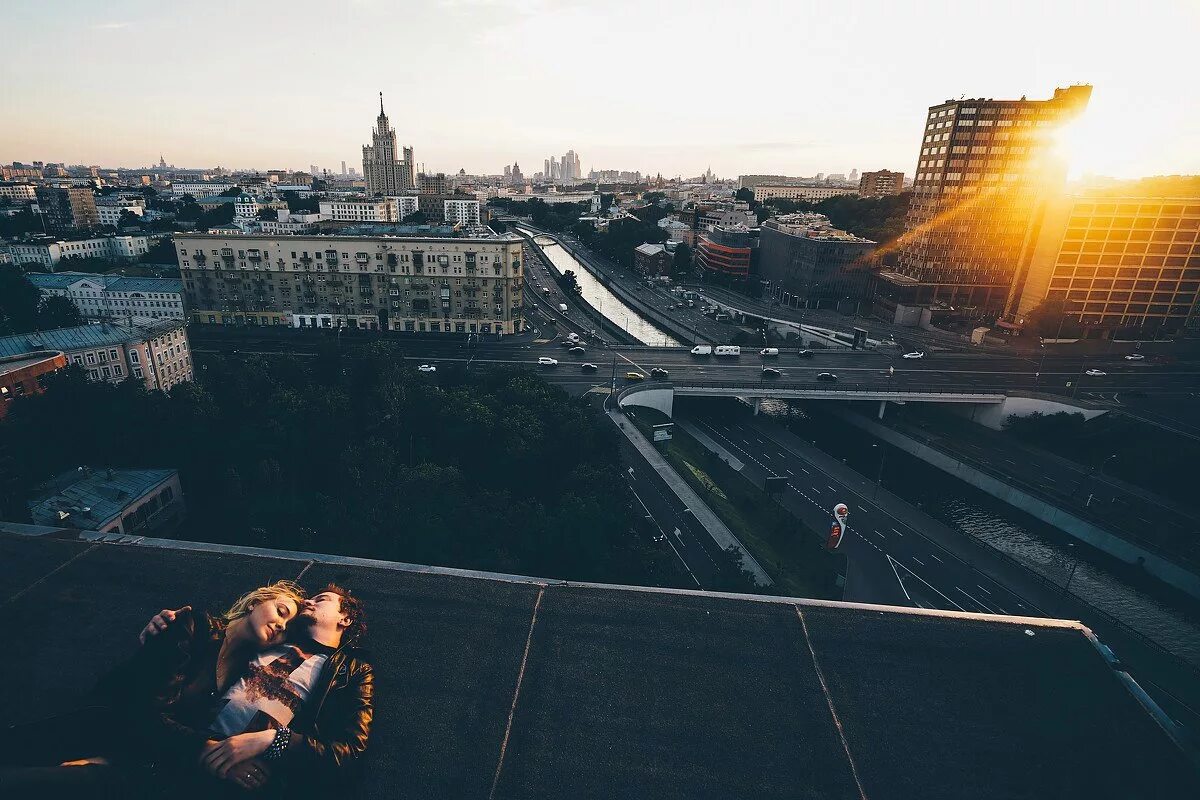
[[660, 395]]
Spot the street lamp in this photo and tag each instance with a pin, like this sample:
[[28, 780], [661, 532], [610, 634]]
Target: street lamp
[[879, 475], [1074, 566]]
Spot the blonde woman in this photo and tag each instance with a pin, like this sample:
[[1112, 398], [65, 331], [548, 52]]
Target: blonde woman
[[145, 727]]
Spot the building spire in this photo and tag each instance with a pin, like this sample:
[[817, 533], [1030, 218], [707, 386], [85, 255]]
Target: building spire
[[381, 105]]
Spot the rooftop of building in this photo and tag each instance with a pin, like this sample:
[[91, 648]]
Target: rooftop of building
[[508, 686], [86, 498], [650, 249], [383, 230], [10, 364], [43, 240], [112, 283], [813, 226], [84, 336]]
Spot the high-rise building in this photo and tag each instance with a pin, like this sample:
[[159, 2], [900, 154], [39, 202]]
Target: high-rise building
[[880, 183], [546, 169], [808, 260], [384, 172], [67, 207], [854, 175], [985, 171], [343, 167], [1124, 259]]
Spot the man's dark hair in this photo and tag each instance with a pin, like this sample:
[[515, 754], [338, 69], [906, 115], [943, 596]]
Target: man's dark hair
[[352, 607]]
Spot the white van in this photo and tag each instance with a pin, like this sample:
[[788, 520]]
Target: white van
[[702, 350], [728, 350], [769, 351], [562, 307]]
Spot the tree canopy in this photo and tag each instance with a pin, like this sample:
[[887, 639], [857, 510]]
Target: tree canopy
[[354, 452], [22, 309]]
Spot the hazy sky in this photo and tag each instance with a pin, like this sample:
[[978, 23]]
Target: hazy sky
[[790, 87]]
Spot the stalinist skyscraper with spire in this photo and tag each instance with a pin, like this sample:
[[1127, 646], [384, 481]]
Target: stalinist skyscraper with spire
[[385, 174]]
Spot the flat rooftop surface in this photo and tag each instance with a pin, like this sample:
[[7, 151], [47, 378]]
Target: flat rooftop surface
[[620, 692]]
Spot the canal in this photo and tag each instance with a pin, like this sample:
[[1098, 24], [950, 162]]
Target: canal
[[600, 298], [1105, 583]]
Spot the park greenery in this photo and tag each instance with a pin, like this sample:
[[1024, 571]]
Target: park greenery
[[880, 219], [354, 452]]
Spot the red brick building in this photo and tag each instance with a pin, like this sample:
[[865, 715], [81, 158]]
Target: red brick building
[[726, 251], [19, 375]]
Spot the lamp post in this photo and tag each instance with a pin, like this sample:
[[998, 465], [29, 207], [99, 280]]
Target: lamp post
[[1074, 566], [879, 475]]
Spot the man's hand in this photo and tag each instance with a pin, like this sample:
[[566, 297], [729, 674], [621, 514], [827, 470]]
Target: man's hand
[[219, 757], [159, 622], [250, 775]]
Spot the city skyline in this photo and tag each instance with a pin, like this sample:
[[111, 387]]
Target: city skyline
[[610, 96]]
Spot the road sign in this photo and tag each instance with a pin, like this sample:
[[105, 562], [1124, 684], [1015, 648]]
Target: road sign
[[662, 432], [838, 527]]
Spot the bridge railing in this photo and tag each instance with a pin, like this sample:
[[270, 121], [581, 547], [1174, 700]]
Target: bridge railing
[[832, 387]]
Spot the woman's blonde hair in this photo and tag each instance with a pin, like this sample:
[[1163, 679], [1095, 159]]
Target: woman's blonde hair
[[246, 603]]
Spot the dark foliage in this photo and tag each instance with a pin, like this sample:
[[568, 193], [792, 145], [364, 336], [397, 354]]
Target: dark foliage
[[356, 453]]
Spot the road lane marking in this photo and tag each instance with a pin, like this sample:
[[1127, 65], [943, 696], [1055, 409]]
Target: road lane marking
[[898, 533], [935, 558], [914, 558]]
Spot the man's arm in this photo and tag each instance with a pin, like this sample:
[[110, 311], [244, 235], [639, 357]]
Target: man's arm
[[160, 622], [343, 739]]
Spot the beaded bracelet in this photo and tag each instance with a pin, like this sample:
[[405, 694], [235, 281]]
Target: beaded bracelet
[[283, 737]]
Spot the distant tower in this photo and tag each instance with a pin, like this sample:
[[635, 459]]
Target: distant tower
[[162, 162], [343, 167], [383, 171]]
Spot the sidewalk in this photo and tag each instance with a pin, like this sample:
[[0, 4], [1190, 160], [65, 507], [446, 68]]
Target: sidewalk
[[704, 515]]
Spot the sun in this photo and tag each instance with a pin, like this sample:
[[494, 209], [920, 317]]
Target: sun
[[1099, 143]]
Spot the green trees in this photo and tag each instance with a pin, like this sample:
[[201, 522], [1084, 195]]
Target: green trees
[[22, 308], [880, 219], [681, 264], [161, 252], [353, 452]]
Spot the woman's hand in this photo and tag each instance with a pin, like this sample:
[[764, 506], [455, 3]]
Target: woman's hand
[[219, 757]]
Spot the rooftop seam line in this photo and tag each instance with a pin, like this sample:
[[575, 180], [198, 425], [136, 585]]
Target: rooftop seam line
[[49, 574], [837, 722], [516, 693]]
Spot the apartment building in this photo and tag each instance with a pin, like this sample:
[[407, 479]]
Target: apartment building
[[21, 375], [985, 170], [18, 192], [67, 207], [880, 183], [154, 352], [375, 209], [808, 193], [400, 278], [111, 215], [1119, 265], [198, 190], [49, 252], [114, 297], [127, 501], [462, 212]]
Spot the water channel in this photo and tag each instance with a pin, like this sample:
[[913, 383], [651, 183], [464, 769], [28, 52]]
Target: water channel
[[1093, 576], [600, 298]]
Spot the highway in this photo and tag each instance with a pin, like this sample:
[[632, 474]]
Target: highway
[[890, 561]]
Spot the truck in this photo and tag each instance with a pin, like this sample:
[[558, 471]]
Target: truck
[[702, 350], [562, 307], [728, 350]]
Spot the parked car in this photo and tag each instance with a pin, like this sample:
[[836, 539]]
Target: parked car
[[914, 354], [827, 377], [1095, 373], [658, 372], [1135, 357], [577, 350], [634, 376], [543, 361], [427, 368], [588, 367], [769, 351], [804, 353], [771, 372]]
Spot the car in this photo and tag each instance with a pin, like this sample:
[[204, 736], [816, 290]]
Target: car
[[634, 376], [567, 343], [914, 354], [588, 367], [1095, 373], [804, 353], [769, 351], [577, 350], [1135, 357], [545, 361], [771, 372], [658, 372], [427, 368], [826, 377]]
